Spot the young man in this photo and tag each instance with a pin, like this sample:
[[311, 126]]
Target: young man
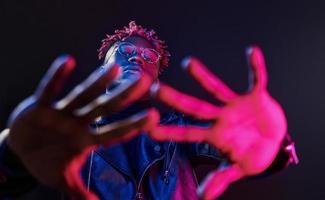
[[53, 139]]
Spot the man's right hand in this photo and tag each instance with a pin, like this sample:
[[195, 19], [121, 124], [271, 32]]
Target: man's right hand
[[53, 138]]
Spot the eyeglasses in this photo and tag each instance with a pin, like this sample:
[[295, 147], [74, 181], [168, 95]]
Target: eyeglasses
[[128, 49]]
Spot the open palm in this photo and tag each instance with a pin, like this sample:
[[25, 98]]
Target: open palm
[[249, 128], [53, 138]]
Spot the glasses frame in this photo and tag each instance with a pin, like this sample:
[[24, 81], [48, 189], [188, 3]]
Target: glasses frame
[[136, 48]]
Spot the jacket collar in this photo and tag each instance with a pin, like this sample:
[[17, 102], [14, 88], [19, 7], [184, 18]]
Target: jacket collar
[[136, 156]]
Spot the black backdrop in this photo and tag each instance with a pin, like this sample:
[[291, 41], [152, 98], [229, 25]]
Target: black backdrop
[[292, 35]]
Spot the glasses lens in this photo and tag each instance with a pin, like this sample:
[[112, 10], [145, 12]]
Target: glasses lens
[[150, 55], [126, 49]]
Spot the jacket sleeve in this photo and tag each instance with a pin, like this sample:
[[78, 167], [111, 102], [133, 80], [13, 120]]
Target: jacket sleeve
[[15, 180], [285, 157]]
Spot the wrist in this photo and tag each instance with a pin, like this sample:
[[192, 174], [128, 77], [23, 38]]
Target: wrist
[[14, 177]]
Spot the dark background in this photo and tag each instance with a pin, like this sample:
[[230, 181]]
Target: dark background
[[292, 35]]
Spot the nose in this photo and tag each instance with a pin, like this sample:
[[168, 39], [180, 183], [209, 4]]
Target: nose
[[136, 60]]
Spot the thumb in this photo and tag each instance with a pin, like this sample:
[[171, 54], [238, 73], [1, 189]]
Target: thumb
[[218, 181]]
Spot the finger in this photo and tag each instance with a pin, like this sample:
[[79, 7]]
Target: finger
[[52, 83], [117, 100], [217, 182], [125, 130], [23, 106], [75, 186], [210, 82], [179, 134], [187, 104], [257, 63], [91, 88]]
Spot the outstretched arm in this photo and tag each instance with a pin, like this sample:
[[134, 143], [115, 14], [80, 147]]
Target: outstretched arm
[[249, 128], [53, 138]]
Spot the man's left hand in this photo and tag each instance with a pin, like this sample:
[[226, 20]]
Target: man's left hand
[[249, 128]]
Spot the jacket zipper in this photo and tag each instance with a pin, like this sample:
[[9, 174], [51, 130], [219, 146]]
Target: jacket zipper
[[139, 195], [168, 163], [90, 169]]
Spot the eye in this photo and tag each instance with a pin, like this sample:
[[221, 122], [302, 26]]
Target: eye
[[126, 49], [150, 55]]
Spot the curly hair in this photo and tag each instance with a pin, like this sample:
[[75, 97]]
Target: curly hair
[[136, 30]]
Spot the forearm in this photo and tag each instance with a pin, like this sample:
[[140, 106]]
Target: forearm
[[14, 178]]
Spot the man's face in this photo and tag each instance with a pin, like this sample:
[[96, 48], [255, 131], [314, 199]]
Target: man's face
[[136, 56]]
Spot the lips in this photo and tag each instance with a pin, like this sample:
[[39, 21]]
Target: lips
[[132, 69]]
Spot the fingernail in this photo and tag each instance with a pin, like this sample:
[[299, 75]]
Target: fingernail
[[63, 57], [249, 50], [154, 89], [186, 62], [67, 59], [70, 62]]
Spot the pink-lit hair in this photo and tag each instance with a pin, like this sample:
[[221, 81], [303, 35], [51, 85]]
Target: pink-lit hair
[[136, 30]]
